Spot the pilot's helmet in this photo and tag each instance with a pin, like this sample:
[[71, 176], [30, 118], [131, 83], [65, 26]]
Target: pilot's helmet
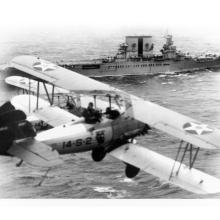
[[90, 105], [108, 110]]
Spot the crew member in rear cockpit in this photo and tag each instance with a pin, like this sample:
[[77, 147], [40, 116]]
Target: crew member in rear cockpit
[[112, 114], [91, 115]]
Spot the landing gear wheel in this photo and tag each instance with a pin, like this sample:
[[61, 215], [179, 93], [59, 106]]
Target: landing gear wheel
[[98, 154], [131, 171]]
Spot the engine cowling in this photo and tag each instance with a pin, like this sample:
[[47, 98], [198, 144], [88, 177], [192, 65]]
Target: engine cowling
[[13, 126]]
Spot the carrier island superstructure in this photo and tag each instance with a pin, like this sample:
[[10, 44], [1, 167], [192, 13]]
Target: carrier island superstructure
[[137, 57]]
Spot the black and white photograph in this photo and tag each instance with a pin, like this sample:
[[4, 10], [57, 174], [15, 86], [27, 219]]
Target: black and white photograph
[[111, 100]]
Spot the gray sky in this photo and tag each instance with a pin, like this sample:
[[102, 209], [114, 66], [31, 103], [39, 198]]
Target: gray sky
[[199, 17]]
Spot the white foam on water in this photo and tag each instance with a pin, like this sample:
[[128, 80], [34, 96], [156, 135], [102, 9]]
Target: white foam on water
[[127, 180], [162, 76], [110, 192], [107, 189], [167, 83], [142, 82]]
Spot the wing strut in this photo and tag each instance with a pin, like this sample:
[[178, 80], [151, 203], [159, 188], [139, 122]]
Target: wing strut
[[110, 101], [95, 101], [38, 89], [51, 99], [29, 84], [193, 153]]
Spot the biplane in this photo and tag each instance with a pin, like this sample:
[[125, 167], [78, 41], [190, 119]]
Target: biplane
[[109, 131]]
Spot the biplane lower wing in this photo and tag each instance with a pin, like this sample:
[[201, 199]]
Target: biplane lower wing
[[167, 169], [51, 115], [23, 83], [35, 153]]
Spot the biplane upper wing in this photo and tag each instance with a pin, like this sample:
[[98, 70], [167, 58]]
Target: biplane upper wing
[[175, 124], [43, 70], [168, 121]]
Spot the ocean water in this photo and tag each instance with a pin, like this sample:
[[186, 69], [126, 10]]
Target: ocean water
[[194, 94]]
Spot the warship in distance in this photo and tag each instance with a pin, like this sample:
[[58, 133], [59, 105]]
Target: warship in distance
[[137, 57]]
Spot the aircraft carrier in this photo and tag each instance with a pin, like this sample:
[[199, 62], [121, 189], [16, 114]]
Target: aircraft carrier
[[137, 57]]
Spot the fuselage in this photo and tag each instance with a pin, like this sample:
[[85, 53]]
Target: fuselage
[[73, 138]]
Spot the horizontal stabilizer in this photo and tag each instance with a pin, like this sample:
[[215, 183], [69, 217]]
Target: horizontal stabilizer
[[55, 116], [28, 103], [35, 153], [30, 84], [52, 115], [162, 167]]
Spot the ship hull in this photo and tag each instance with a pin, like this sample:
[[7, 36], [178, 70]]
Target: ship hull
[[141, 67]]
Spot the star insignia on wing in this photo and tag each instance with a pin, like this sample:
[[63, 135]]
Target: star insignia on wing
[[196, 128], [44, 66]]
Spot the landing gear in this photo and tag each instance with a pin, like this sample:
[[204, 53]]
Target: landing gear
[[131, 171], [98, 154]]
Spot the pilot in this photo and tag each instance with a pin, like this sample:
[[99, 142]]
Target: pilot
[[91, 115], [112, 114], [69, 105]]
